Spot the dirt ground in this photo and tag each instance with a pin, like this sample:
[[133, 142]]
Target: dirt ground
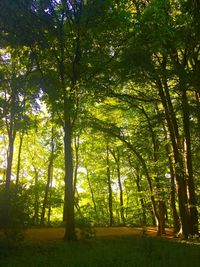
[[51, 234]]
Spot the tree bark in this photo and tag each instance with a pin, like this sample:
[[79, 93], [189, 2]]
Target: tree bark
[[179, 167], [36, 199], [10, 153], [46, 194], [116, 156], [19, 159], [110, 204], [76, 146], [160, 202], [176, 219], [11, 130], [197, 96], [189, 166], [49, 206], [149, 181], [69, 193], [142, 202], [92, 193]]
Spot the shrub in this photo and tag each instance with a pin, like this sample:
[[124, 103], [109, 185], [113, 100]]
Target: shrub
[[85, 228], [13, 213]]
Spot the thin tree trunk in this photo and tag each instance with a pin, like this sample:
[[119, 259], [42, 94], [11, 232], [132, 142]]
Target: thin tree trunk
[[76, 195], [116, 156], [197, 96], [10, 125], [110, 204], [46, 194], [76, 146], [49, 178], [149, 181], [120, 189], [19, 159], [50, 195], [142, 202], [36, 199], [10, 158], [92, 193]]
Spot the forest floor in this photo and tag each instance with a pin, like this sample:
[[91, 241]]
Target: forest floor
[[57, 233], [51, 234], [112, 246]]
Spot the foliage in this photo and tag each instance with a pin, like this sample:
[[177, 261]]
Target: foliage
[[85, 228], [99, 111], [15, 213]]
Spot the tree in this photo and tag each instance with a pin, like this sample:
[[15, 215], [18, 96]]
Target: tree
[[61, 48], [163, 49]]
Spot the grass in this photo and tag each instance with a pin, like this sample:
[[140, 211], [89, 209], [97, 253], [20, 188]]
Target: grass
[[126, 251]]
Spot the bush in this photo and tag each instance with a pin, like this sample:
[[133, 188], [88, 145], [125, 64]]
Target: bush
[[13, 213], [85, 228]]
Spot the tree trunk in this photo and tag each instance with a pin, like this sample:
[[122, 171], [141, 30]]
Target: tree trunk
[[69, 193], [149, 181], [36, 199], [11, 131], [176, 219], [116, 156], [49, 206], [46, 194], [120, 189], [197, 96], [49, 178], [179, 167], [160, 201], [92, 193], [76, 146], [19, 159], [189, 167], [142, 202], [110, 204], [10, 158]]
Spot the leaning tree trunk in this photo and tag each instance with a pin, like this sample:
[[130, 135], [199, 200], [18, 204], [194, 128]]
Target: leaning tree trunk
[[179, 166], [149, 181], [160, 202], [146, 172]]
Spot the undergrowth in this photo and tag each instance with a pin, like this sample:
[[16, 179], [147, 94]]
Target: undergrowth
[[104, 252]]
